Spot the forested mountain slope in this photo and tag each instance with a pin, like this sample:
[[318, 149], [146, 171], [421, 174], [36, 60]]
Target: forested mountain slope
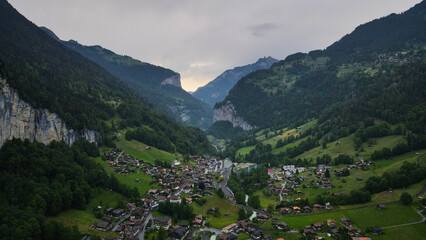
[[49, 75], [323, 84], [158, 85]]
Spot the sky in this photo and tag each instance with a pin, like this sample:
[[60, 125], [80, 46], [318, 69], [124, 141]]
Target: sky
[[200, 39]]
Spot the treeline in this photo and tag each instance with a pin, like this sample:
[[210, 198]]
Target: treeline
[[176, 211], [162, 130], [37, 181], [156, 139], [414, 142], [408, 174], [340, 159], [354, 197]]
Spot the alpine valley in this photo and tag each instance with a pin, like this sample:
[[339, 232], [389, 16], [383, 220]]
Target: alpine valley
[[329, 144]]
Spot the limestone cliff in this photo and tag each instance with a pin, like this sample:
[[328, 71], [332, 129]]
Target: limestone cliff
[[173, 80], [228, 113], [20, 120]]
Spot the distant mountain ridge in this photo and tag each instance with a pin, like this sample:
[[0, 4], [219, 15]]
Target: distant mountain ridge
[[158, 85], [216, 90]]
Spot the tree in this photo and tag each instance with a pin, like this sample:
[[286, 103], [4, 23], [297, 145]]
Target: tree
[[240, 197], [327, 174], [406, 198], [254, 202]]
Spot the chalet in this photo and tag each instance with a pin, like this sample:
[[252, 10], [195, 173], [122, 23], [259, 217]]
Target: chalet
[[178, 233], [317, 225], [331, 223], [285, 210], [230, 228], [175, 199], [136, 215], [256, 234], [352, 231], [228, 237], [131, 206], [199, 217], [317, 207], [262, 216], [102, 226], [188, 200], [376, 230], [309, 231], [345, 221], [306, 209], [381, 206], [361, 238], [117, 213], [281, 226], [163, 222], [211, 210], [296, 209], [196, 223]]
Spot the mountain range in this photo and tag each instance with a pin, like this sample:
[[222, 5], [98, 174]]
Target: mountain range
[[158, 85], [216, 90]]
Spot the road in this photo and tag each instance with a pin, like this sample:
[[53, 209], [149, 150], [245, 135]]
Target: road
[[119, 155], [120, 221], [141, 234], [213, 230], [281, 196]]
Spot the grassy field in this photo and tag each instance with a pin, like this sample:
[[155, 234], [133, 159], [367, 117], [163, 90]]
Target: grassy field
[[130, 179], [362, 218], [137, 149], [84, 218], [224, 206], [274, 137], [347, 146], [266, 201], [412, 232]]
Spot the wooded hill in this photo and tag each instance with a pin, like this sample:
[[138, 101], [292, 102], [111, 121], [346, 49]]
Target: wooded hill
[[51, 76], [376, 72]]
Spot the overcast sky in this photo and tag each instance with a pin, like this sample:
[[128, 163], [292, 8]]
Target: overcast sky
[[200, 39]]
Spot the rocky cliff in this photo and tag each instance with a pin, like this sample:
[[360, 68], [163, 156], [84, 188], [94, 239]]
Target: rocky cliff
[[228, 113], [173, 80], [20, 120]]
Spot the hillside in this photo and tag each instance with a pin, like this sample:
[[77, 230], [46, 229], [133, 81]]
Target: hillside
[[216, 90], [51, 93], [158, 85], [340, 92]]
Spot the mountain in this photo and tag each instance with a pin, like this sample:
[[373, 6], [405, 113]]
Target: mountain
[[160, 86], [50, 92], [326, 84], [216, 90]]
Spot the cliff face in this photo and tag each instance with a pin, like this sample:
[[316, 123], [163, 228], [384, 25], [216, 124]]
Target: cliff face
[[174, 80], [20, 120], [228, 113]]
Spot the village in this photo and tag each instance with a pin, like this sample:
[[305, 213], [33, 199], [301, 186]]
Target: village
[[185, 183]]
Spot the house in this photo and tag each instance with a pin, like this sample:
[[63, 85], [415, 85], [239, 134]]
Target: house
[[352, 231], [331, 223], [136, 215], [228, 237], [117, 213], [178, 233], [175, 199], [317, 225], [309, 231], [285, 210], [256, 234], [163, 222], [361, 238], [281, 226], [196, 223], [131, 206], [188, 200], [211, 210], [376, 230], [102, 226], [345, 221], [306, 209], [381, 206], [262, 216], [230, 228]]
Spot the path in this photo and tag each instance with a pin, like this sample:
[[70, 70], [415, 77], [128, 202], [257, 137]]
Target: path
[[408, 224], [141, 234], [119, 155], [120, 221], [281, 196]]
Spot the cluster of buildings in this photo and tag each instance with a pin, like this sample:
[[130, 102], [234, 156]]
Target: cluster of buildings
[[122, 162]]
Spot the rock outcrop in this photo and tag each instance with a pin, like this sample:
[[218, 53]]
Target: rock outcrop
[[20, 120], [173, 80], [228, 113]]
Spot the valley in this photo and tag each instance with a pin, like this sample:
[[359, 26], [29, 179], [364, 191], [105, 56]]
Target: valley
[[329, 144]]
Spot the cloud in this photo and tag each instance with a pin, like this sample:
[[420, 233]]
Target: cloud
[[201, 39], [259, 30]]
